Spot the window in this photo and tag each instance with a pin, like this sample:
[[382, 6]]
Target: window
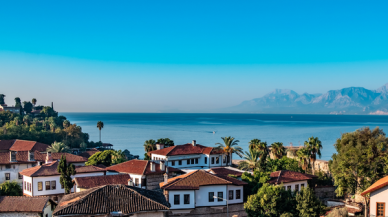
[[238, 194], [188, 161], [53, 185], [7, 176], [192, 161], [230, 194], [176, 199], [301, 185], [296, 187], [40, 186], [20, 176], [217, 160], [136, 181], [144, 182], [205, 160], [25, 185], [196, 160], [180, 162], [13, 155], [7, 166], [211, 196], [186, 198], [212, 160], [380, 211], [32, 156], [173, 163], [47, 185], [228, 157], [220, 196], [289, 188], [224, 159], [30, 187]]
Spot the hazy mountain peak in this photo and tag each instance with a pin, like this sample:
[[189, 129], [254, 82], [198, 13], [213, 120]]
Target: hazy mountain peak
[[383, 89]]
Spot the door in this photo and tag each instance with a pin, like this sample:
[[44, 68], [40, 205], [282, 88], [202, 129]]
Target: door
[[380, 210]]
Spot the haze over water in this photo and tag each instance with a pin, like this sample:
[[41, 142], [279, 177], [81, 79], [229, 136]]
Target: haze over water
[[130, 130]]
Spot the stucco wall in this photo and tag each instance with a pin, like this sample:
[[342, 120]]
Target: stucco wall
[[234, 209], [181, 193], [202, 195], [234, 188], [380, 196], [292, 184], [14, 171]]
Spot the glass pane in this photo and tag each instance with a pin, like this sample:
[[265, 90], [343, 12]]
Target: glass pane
[[40, 186], [231, 195], [187, 199], [220, 196], [176, 199], [211, 196], [238, 194]]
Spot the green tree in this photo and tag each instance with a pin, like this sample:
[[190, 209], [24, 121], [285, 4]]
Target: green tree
[[166, 142], [149, 145], [83, 146], [100, 125], [307, 204], [10, 189], [18, 103], [277, 150], [255, 181], [251, 160], [254, 143], [17, 120], [230, 146], [66, 171], [27, 107], [283, 163], [66, 124], [27, 120], [107, 158], [48, 111], [34, 101], [315, 146], [2, 99], [58, 147], [359, 161], [304, 157]]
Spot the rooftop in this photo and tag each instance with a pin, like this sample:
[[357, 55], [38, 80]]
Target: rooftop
[[185, 150], [376, 186], [89, 153], [23, 204], [111, 198], [140, 167], [50, 169], [285, 176], [22, 145], [96, 181]]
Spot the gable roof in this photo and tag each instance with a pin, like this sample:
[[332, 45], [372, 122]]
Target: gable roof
[[221, 171], [185, 150], [96, 181], [6, 144], [22, 145], [70, 158], [51, 170], [23, 204], [376, 186], [89, 153], [285, 176], [111, 198], [192, 181], [140, 167]]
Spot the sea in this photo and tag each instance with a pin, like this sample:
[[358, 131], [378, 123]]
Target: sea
[[131, 130]]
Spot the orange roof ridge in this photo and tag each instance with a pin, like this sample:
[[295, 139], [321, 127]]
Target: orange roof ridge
[[171, 150], [376, 186], [145, 168]]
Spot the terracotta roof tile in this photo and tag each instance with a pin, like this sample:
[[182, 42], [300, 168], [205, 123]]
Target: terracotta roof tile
[[192, 181], [21, 157], [111, 198], [96, 181], [89, 153], [23, 204], [6, 144], [376, 186], [141, 167], [51, 170], [285, 176], [221, 171], [185, 150], [70, 158], [24, 145]]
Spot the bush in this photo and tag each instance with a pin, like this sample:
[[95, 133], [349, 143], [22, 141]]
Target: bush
[[338, 212]]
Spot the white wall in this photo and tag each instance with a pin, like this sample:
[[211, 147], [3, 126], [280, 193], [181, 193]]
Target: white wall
[[202, 195], [158, 157], [14, 171], [29, 180], [149, 214], [379, 196], [133, 177], [48, 210], [234, 188], [292, 184], [181, 205]]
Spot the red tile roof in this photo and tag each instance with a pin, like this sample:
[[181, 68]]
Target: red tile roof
[[192, 181], [185, 150], [96, 181], [376, 186], [51, 170], [70, 158], [23, 204], [285, 176], [221, 171], [6, 144], [140, 167], [23, 145], [89, 153]]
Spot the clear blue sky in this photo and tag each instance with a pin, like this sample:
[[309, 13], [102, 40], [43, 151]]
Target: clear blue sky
[[150, 56]]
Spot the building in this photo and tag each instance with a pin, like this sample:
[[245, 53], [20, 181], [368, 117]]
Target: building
[[43, 180], [106, 146], [226, 171], [85, 183], [4, 107], [198, 189], [113, 200], [378, 198], [291, 180], [145, 174], [17, 155], [26, 206], [89, 153], [190, 156]]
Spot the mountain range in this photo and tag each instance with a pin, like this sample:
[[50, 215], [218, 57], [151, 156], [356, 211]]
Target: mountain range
[[351, 100]]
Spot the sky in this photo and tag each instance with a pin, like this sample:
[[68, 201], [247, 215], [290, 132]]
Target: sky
[[186, 56]]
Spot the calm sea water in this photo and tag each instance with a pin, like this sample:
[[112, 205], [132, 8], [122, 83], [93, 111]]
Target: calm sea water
[[130, 130]]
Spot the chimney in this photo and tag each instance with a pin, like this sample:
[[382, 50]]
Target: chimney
[[165, 178], [12, 156], [194, 143], [152, 167], [159, 146], [49, 159], [162, 166], [130, 182]]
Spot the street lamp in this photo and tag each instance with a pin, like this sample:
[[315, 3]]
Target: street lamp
[[227, 206]]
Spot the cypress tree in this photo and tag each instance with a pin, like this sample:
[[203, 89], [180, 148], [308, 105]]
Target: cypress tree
[[66, 171]]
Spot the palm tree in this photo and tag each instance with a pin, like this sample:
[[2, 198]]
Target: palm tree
[[33, 101], [315, 146], [149, 145], [58, 147], [230, 146], [27, 119], [277, 150], [100, 125], [254, 143], [303, 157], [251, 160]]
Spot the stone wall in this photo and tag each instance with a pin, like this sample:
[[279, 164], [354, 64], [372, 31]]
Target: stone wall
[[324, 193], [154, 180], [20, 214], [234, 210]]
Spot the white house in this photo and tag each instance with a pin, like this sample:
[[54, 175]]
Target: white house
[[43, 180], [26, 206], [144, 174], [190, 156], [378, 198], [201, 189], [291, 180]]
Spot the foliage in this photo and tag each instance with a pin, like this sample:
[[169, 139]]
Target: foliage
[[230, 146], [34, 101], [100, 125], [359, 161], [48, 111], [106, 158], [251, 160], [277, 150], [283, 163], [338, 212], [58, 147], [303, 155], [314, 145], [18, 103], [27, 106], [254, 143], [308, 205], [166, 142], [149, 145], [2, 99], [286, 214], [83, 146], [254, 181], [66, 171], [323, 179], [271, 201], [10, 189], [146, 157]]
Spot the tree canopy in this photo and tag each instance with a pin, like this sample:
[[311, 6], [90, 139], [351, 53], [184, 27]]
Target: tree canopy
[[106, 158], [10, 189], [59, 147], [166, 142], [66, 171]]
